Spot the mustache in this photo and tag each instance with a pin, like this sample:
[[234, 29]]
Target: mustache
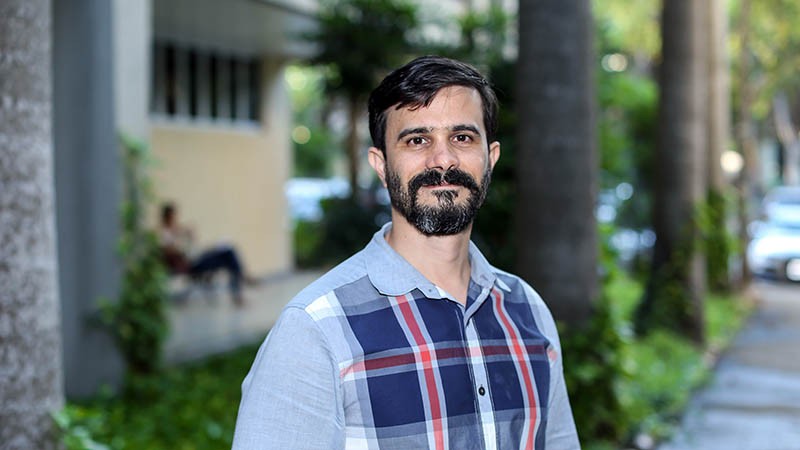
[[432, 177]]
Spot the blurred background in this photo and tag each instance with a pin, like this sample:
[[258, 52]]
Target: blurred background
[[647, 188]]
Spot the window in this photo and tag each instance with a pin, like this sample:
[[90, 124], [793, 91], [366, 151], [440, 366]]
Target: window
[[194, 84]]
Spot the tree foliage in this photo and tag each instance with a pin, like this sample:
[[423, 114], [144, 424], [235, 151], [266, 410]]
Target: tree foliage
[[359, 41], [630, 27], [313, 152], [774, 49], [767, 49]]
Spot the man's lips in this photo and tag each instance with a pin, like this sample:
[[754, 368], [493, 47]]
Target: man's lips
[[442, 186]]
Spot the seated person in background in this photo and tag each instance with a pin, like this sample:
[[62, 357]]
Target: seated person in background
[[176, 242]]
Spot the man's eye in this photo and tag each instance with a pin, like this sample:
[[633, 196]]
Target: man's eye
[[416, 140], [463, 138]]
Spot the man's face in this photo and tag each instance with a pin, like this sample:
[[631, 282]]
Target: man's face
[[437, 164]]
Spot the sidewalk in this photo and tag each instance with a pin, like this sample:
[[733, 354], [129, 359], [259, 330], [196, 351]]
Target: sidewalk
[[753, 400], [207, 322]]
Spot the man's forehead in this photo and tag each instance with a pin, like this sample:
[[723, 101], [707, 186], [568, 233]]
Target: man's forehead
[[450, 108]]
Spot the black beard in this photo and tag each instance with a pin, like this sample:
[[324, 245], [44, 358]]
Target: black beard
[[446, 218]]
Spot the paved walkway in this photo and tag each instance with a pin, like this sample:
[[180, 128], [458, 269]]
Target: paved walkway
[[207, 322], [753, 400]]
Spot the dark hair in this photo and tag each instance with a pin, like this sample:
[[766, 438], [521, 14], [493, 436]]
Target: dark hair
[[417, 83], [167, 212]]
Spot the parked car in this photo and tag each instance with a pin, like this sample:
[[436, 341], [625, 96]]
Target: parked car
[[305, 194], [774, 250], [782, 204]]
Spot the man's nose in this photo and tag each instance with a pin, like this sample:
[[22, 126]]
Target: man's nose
[[442, 157]]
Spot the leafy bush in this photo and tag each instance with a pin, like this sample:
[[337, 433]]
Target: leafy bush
[[641, 383], [137, 320], [717, 241], [593, 359], [346, 227], [657, 372], [191, 407], [307, 240], [593, 367]]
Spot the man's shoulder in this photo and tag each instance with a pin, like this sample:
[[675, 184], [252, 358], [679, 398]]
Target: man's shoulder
[[518, 290], [347, 272], [515, 283]]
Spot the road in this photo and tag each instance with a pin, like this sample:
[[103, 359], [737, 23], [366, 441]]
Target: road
[[753, 400]]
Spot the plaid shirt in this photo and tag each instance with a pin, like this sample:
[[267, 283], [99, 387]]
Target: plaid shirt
[[372, 355]]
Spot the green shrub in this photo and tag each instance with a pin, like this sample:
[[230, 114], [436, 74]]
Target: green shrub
[[593, 362], [189, 407], [346, 227], [592, 372], [656, 374], [137, 320], [307, 238]]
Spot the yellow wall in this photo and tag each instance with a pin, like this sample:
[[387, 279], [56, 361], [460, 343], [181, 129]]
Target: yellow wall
[[228, 180]]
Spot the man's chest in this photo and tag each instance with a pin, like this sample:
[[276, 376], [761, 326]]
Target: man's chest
[[420, 374]]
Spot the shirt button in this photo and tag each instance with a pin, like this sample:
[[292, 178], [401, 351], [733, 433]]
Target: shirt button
[[481, 390]]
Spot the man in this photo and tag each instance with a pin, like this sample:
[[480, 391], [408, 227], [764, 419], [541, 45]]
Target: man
[[416, 341]]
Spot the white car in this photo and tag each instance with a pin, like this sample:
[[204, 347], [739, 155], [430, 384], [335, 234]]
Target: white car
[[782, 204], [774, 251], [305, 194]]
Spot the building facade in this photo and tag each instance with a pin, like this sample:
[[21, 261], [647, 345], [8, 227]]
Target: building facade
[[201, 83]]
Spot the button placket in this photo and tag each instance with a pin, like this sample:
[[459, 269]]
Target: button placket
[[481, 379]]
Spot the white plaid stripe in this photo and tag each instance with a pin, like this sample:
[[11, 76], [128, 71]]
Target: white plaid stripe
[[324, 307], [356, 439], [485, 408]]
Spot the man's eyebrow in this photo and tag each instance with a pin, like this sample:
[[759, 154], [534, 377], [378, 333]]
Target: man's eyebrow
[[471, 128], [418, 130], [423, 130]]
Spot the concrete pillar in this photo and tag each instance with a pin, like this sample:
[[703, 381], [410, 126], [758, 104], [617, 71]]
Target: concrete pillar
[[87, 176], [132, 36]]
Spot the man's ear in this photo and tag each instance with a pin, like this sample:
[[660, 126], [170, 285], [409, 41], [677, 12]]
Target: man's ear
[[378, 162], [494, 153]]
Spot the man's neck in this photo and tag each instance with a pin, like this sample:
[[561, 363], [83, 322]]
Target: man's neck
[[443, 260]]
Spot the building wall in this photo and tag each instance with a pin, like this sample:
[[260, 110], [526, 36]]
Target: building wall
[[227, 180]]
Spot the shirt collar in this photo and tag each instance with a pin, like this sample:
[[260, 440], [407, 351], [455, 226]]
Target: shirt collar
[[392, 275]]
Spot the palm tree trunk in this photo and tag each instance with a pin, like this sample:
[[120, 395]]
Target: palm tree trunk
[[676, 286], [30, 339], [556, 156]]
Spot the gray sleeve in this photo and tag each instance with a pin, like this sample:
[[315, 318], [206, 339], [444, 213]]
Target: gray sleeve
[[560, 433], [290, 397]]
